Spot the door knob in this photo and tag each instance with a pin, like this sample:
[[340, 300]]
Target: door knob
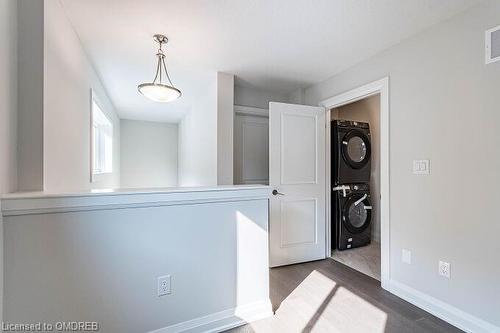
[[275, 192]]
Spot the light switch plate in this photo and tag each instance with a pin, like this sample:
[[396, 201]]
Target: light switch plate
[[421, 167]]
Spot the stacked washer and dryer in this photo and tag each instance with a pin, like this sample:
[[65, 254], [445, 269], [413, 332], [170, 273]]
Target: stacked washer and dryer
[[351, 205]]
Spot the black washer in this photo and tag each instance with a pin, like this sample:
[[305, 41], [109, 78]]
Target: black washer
[[351, 223], [355, 217]]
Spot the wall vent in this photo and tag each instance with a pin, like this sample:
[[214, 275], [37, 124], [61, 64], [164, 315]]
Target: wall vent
[[493, 45]]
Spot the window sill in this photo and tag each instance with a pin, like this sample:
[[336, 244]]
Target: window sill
[[97, 177]]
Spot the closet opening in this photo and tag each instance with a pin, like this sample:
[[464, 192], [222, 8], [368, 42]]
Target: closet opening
[[251, 145]]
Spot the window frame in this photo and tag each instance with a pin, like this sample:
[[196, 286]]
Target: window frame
[[99, 175]]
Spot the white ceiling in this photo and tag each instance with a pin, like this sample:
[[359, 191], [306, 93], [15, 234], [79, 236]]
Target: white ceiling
[[274, 45]]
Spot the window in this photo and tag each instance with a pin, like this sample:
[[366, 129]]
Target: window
[[102, 141]]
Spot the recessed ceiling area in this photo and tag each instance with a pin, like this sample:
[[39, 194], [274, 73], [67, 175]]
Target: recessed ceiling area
[[276, 46]]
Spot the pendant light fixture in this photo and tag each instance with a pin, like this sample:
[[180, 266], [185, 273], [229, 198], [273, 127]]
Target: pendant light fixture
[[157, 90]]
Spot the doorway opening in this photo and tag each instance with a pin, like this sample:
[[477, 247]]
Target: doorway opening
[[342, 106], [355, 225]]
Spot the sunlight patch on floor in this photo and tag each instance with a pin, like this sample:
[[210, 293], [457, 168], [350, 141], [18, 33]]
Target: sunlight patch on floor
[[303, 303], [318, 304], [351, 313]]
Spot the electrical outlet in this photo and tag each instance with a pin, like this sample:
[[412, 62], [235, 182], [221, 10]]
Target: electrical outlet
[[164, 285], [444, 269], [406, 256]]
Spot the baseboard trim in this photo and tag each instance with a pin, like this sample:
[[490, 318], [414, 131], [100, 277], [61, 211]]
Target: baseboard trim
[[223, 320], [456, 317]]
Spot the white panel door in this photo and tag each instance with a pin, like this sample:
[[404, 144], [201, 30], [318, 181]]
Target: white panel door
[[297, 176], [251, 149]]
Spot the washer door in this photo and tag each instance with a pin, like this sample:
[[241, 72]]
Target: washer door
[[356, 149], [356, 217]]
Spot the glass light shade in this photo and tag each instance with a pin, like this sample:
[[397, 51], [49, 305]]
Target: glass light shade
[[159, 92]]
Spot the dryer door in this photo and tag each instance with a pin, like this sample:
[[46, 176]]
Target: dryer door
[[357, 213], [356, 149]]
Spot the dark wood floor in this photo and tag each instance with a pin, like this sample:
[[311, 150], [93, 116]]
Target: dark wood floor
[[327, 296]]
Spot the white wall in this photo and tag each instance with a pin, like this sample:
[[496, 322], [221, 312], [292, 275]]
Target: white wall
[[444, 104], [8, 96], [368, 110], [148, 154], [198, 138], [247, 96], [8, 111], [102, 264], [225, 120], [30, 66], [68, 79], [297, 96]]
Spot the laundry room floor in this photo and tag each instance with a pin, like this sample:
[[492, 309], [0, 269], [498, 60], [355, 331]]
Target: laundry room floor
[[364, 259]]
